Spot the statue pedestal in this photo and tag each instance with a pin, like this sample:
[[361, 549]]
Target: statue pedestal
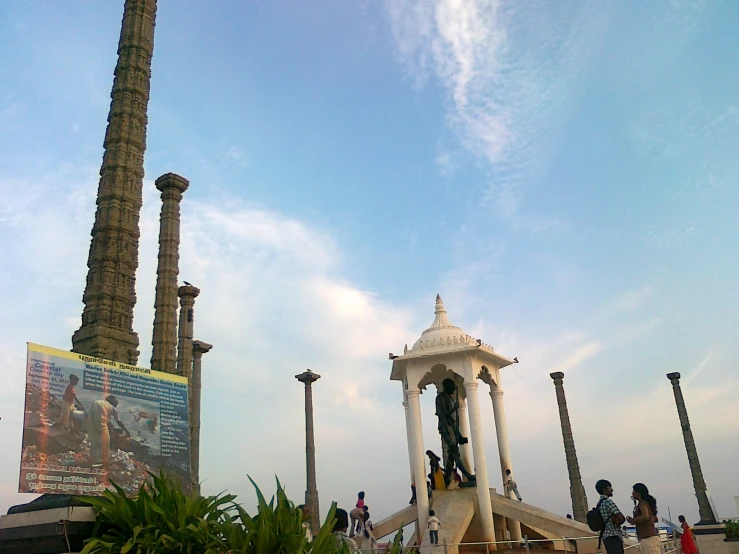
[[710, 539], [49, 530]]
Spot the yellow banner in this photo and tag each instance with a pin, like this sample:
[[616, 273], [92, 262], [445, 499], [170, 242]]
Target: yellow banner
[[89, 422]]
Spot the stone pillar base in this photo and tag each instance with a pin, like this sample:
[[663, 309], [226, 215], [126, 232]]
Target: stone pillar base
[[710, 539]]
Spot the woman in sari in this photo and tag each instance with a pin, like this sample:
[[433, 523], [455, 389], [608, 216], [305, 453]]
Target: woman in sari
[[686, 537]]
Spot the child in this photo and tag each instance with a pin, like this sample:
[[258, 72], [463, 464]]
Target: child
[[68, 401], [510, 485], [434, 525]]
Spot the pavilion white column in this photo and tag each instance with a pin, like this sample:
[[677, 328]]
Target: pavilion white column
[[464, 429], [485, 508], [417, 457], [501, 431], [408, 432]]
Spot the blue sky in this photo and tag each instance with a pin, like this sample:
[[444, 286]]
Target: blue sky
[[562, 173]]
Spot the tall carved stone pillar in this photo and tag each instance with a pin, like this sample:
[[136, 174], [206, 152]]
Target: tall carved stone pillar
[[704, 506], [311, 489], [198, 349], [187, 295], [164, 338], [577, 490], [110, 296]]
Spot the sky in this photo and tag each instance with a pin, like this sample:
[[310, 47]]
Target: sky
[[562, 173]]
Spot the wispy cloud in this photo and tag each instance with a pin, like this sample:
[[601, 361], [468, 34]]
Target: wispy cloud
[[509, 72]]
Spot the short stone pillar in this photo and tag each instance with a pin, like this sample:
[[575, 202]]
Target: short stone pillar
[[577, 490], [164, 338], [187, 295], [704, 507], [198, 349], [311, 489]]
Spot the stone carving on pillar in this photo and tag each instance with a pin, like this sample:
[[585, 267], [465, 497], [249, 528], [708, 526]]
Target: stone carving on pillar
[[577, 490], [164, 337], [187, 295], [704, 506], [447, 408], [311, 489], [110, 296], [198, 349]]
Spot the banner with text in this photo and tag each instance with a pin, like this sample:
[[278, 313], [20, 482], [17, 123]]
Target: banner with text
[[89, 422]]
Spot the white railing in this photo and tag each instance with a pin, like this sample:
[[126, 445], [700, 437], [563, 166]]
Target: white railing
[[668, 545]]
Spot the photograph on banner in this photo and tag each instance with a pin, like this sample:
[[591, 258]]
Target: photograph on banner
[[89, 422]]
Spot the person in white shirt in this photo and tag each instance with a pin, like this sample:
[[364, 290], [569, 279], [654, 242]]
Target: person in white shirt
[[306, 522], [340, 528], [510, 485], [434, 523]]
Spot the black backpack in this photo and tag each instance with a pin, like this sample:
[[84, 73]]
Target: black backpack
[[595, 519]]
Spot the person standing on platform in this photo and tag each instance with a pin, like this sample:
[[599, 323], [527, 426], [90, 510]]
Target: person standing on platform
[[434, 523], [612, 535], [687, 542], [356, 515]]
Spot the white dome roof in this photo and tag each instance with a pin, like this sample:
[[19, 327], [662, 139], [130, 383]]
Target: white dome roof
[[442, 332]]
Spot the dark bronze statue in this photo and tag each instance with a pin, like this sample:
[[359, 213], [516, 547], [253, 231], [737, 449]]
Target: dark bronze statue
[[447, 410]]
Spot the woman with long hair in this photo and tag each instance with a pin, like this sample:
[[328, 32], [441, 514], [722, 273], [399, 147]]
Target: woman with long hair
[[686, 537], [368, 541], [645, 516]]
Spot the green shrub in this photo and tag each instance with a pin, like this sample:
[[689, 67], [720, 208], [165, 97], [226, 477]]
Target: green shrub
[[161, 519], [732, 528]]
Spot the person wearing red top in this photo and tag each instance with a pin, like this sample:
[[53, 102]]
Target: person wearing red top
[[68, 401], [686, 537], [357, 514]]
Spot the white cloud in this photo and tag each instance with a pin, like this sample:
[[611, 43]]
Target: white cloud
[[273, 302]]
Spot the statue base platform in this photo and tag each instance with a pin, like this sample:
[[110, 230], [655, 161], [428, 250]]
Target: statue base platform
[[48, 525]]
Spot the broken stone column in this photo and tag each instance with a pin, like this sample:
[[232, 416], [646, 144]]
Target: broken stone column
[[164, 337], [577, 490], [198, 349], [187, 295]]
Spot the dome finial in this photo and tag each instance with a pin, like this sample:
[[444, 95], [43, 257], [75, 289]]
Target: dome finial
[[440, 321], [439, 304]]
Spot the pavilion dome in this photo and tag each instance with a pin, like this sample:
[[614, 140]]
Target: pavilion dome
[[442, 333]]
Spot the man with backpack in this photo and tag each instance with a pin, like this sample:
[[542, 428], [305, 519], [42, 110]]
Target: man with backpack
[[607, 518]]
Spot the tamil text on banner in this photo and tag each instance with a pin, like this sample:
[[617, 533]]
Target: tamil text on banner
[[89, 422]]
